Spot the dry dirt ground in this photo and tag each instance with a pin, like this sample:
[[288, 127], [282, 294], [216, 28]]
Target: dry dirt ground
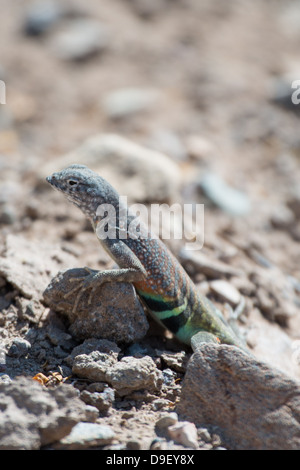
[[214, 95]]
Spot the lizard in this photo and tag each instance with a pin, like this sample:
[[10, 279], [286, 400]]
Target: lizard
[[161, 282]]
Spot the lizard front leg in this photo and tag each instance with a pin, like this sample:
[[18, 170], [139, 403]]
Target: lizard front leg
[[133, 273]]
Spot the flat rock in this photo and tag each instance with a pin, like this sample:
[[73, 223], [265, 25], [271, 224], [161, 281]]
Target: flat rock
[[28, 266], [115, 312], [254, 405]]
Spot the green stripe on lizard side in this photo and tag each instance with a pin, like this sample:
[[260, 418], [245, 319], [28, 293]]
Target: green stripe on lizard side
[[172, 317]]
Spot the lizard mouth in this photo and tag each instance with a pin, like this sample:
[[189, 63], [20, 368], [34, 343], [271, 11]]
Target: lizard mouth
[[53, 181]]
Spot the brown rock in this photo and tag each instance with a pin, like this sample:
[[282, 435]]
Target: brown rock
[[254, 405], [115, 313]]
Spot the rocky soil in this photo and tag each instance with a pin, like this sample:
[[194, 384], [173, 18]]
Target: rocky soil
[[173, 101]]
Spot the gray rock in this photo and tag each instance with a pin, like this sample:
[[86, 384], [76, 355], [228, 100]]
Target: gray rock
[[115, 312], [91, 413], [148, 10], [41, 16], [33, 416], [150, 175], [80, 39], [225, 291], [100, 400], [28, 266], [131, 374], [176, 360], [169, 143], [93, 344], [127, 101], [228, 199], [2, 358], [93, 366], [20, 347], [85, 435], [254, 405], [185, 433], [59, 337], [165, 420]]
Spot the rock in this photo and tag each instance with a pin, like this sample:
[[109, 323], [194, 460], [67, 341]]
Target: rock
[[2, 358], [276, 296], [169, 143], [132, 374], [148, 10], [211, 268], [93, 366], [271, 343], [19, 347], [226, 291], [200, 148], [115, 312], [282, 218], [91, 413], [85, 435], [184, 433], [59, 337], [92, 344], [100, 400], [122, 103], [229, 199], [176, 360], [133, 445], [80, 40], [294, 203], [28, 266], [150, 176], [254, 405], [165, 420], [33, 416], [41, 16]]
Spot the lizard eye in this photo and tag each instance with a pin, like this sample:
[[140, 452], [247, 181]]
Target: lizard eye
[[72, 182]]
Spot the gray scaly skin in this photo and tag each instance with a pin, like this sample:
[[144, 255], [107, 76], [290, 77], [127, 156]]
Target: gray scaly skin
[[159, 279]]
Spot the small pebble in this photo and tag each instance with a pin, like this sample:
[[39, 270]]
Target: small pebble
[[91, 414], [184, 433], [228, 199], [41, 16], [133, 445], [166, 420], [126, 101], [19, 348], [80, 40], [226, 290]]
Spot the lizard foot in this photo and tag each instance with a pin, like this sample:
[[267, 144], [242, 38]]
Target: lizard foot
[[90, 282], [203, 337]]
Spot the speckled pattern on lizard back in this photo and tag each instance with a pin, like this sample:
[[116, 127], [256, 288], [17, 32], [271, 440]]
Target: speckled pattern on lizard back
[[159, 279]]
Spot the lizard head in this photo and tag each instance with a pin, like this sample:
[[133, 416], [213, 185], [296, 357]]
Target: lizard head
[[84, 188]]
